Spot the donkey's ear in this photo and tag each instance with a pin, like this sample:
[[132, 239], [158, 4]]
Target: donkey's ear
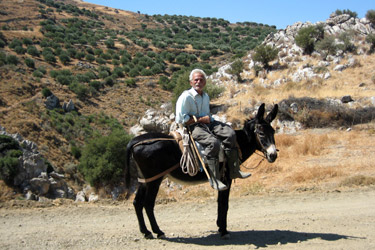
[[272, 114], [260, 113]]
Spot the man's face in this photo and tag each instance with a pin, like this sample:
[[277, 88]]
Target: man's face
[[198, 82]]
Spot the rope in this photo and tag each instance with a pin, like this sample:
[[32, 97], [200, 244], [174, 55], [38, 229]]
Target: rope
[[189, 162]]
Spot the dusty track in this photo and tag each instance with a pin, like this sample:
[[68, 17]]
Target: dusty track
[[336, 220]]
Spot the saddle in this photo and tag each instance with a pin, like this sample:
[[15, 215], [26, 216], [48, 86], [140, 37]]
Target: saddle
[[177, 135]]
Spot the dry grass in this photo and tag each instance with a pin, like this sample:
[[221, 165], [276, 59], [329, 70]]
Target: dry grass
[[339, 84]]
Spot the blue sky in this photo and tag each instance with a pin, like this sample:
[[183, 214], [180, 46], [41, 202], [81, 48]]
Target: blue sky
[[272, 12]]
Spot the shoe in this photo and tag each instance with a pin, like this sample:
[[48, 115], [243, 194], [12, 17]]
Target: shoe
[[215, 183], [234, 165]]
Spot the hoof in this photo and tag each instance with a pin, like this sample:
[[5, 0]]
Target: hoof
[[225, 236], [149, 236], [161, 236]]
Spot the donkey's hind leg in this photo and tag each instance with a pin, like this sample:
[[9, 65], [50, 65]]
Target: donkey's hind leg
[[139, 203], [152, 192]]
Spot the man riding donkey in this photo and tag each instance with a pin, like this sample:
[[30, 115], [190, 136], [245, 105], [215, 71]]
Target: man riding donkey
[[193, 112]]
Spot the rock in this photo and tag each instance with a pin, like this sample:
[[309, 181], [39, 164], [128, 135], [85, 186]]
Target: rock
[[52, 102], [346, 99], [39, 186], [29, 145], [30, 196], [80, 197], [294, 107], [93, 197], [340, 67], [68, 107]]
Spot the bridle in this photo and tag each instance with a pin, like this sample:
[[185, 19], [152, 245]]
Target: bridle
[[262, 149]]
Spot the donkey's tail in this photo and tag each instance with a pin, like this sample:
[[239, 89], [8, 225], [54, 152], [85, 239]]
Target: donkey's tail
[[129, 151]]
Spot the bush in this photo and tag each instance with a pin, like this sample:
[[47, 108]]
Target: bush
[[30, 63], [306, 39], [103, 159], [64, 58], [327, 45], [46, 92], [9, 153], [12, 59], [50, 58], [33, 51], [347, 11], [130, 82], [20, 50], [265, 54], [371, 40], [236, 69], [370, 15], [38, 73]]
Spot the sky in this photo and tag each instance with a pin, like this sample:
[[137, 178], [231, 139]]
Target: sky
[[272, 12]]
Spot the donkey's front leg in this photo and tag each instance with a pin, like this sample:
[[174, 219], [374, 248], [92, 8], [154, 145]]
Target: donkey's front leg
[[222, 211]]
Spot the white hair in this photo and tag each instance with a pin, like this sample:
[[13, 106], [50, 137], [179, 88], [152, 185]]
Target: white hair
[[197, 71]]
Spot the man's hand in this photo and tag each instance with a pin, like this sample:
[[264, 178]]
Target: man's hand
[[204, 119]]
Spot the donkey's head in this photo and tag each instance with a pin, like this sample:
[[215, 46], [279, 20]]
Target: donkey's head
[[260, 128]]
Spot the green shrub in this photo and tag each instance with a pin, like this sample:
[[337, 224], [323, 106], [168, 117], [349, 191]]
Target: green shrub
[[64, 58], [370, 15], [79, 89], [30, 63], [33, 51], [327, 45], [49, 57], [8, 169], [27, 41], [130, 82], [46, 92], [75, 151], [306, 39], [236, 69], [12, 59], [14, 43], [347, 11], [265, 54], [38, 73], [20, 50], [371, 40], [9, 153], [103, 158], [90, 57]]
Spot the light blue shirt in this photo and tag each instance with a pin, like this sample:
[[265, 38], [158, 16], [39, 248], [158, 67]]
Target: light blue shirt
[[191, 103]]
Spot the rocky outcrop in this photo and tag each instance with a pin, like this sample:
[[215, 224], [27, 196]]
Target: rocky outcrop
[[35, 177]]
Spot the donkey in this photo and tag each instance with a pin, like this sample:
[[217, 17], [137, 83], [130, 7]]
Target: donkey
[[158, 155]]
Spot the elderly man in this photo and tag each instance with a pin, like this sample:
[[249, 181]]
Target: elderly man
[[193, 111]]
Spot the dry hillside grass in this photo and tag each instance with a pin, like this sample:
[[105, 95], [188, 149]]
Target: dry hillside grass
[[340, 84]]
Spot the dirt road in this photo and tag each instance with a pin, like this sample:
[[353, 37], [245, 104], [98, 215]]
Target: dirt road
[[335, 220]]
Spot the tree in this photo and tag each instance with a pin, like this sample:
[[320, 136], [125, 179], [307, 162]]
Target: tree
[[236, 69], [370, 15], [306, 39], [64, 58], [30, 63], [371, 40], [265, 54], [327, 45], [347, 11], [103, 158]]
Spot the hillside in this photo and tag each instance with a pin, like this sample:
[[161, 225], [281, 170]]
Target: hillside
[[114, 65]]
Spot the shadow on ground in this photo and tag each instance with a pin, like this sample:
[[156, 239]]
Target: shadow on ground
[[259, 238]]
